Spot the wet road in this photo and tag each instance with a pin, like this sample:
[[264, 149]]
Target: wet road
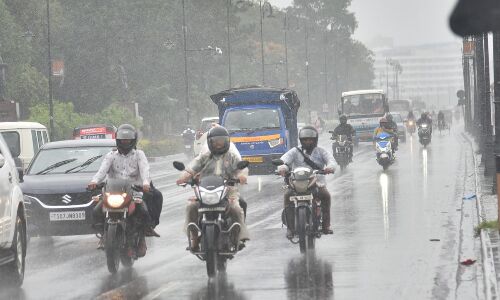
[[381, 248]]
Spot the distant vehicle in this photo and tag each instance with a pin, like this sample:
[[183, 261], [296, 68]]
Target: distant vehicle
[[262, 122], [363, 109], [96, 131], [13, 240], [24, 138], [401, 106], [201, 134], [55, 186], [401, 126]]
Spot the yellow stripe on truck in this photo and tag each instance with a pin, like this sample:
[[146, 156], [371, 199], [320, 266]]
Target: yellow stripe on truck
[[243, 139]]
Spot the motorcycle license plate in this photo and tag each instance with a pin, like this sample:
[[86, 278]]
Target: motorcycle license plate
[[383, 155], [301, 198], [67, 216], [254, 159]]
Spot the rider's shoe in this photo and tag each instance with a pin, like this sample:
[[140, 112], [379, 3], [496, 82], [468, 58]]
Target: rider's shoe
[[327, 230], [100, 244], [241, 244], [289, 234], [149, 231]]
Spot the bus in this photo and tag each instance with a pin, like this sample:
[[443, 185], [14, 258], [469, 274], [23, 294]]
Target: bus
[[401, 107], [363, 109]]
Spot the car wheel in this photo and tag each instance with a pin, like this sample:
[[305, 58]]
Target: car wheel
[[15, 269]]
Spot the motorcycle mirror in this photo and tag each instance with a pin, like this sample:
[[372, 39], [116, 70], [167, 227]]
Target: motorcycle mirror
[[179, 166], [278, 162], [242, 164]]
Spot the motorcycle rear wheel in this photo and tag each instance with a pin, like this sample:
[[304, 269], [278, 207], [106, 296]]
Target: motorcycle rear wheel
[[112, 246]]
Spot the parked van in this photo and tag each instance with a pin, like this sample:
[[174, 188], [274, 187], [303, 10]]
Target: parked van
[[24, 138]]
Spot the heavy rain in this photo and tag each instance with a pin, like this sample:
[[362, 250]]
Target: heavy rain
[[249, 149]]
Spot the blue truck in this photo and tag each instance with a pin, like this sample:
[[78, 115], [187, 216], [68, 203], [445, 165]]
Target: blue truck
[[262, 122]]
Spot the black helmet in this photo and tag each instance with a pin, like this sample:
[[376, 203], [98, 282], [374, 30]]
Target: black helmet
[[215, 134], [308, 132], [343, 119], [389, 118], [423, 116], [126, 132]]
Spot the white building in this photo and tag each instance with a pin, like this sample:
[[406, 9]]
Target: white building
[[432, 73]]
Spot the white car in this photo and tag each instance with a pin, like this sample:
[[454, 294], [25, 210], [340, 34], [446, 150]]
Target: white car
[[13, 240], [201, 134]]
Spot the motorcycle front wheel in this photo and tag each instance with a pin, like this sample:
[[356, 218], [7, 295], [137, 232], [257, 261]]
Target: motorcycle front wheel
[[210, 251], [301, 229], [113, 237]]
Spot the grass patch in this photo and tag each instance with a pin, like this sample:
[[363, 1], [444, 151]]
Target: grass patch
[[485, 225]]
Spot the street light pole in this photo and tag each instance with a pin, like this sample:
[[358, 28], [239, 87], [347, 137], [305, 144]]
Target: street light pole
[[51, 104], [262, 42], [286, 49], [496, 74], [228, 4], [307, 70], [186, 84], [325, 75]]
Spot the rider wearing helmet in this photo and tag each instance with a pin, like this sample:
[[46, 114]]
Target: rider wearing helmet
[[129, 164], [321, 158], [219, 161], [425, 118], [394, 128], [344, 129]]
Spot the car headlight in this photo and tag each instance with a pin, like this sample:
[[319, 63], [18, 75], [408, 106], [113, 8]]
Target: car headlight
[[210, 198], [275, 143], [116, 201]]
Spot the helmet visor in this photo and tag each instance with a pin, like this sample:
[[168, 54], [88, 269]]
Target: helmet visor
[[219, 142]]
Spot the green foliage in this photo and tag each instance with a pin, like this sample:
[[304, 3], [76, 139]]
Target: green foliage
[[162, 147], [486, 225], [66, 119]]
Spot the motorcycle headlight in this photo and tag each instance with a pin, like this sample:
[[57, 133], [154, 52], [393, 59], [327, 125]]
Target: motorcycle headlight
[[210, 198], [116, 201], [275, 143], [424, 125], [410, 123], [300, 185]]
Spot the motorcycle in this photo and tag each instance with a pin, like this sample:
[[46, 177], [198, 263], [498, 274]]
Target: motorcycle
[[424, 134], [410, 126], [217, 232], [341, 148], [123, 228], [383, 145], [308, 215]]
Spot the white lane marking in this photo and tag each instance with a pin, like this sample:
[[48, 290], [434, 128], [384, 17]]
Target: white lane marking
[[259, 180], [273, 216], [156, 293]]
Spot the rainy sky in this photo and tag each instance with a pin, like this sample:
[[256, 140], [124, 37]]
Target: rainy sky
[[407, 22]]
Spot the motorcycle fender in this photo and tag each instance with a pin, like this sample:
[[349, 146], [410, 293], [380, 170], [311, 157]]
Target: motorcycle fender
[[210, 236]]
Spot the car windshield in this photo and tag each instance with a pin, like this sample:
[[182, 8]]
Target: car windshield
[[252, 119], [363, 104], [75, 156]]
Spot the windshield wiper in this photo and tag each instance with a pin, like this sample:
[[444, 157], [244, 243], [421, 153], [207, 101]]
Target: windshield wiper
[[56, 165], [87, 163]]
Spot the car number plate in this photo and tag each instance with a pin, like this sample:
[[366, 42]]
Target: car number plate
[[67, 215], [301, 198], [254, 159], [93, 136]]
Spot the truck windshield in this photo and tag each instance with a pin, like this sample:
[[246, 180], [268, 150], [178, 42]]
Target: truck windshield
[[252, 119]]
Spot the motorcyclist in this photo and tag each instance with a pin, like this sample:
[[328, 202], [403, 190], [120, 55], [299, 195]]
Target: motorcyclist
[[294, 158], [424, 118], [410, 116], [189, 135], [383, 127], [441, 122], [132, 165], [394, 127], [222, 162], [344, 129]]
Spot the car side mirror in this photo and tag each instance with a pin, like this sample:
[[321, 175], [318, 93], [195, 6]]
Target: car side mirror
[[242, 164], [277, 162], [179, 166], [20, 173]]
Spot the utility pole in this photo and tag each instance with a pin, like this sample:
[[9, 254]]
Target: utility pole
[[325, 69], [186, 83], [51, 104], [286, 49], [496, 75], [479, 84], [262, 43], [307, 70], [486, 101], [228, 4], [466, 52]]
